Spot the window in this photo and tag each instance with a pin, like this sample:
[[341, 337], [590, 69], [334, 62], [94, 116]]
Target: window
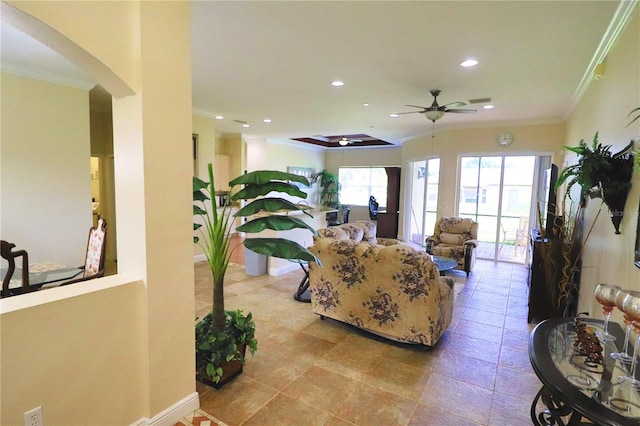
[[359, 183]]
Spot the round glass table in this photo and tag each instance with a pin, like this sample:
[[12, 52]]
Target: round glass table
[[444, 263], [574, 388]]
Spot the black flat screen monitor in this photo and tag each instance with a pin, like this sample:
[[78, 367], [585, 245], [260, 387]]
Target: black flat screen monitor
[[548, 201]]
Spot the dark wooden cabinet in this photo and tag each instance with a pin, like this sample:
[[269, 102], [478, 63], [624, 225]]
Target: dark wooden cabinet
[[388, 219]]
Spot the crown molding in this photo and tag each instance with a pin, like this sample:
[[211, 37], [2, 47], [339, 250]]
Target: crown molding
[[617, 25], [49, 77]]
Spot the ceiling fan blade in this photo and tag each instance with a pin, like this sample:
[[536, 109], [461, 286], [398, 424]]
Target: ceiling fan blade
[[464, 111], [417, 106], [454, 104], [412, 112]]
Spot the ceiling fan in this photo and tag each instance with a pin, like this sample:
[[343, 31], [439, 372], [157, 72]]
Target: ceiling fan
[[435, 111], [344, 141]]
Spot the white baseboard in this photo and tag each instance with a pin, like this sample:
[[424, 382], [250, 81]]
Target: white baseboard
[[275, 272], [173, 414], [199, 258]]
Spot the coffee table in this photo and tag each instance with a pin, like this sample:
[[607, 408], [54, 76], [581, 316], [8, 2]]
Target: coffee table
[[444, 263]]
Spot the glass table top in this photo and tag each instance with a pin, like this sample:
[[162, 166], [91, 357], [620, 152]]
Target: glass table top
[[444, 263], [598, 381]]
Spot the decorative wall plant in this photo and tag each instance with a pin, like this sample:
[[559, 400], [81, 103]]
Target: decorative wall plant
[[601, 174]]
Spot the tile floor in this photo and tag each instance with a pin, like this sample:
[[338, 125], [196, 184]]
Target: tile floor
[[312, 372]]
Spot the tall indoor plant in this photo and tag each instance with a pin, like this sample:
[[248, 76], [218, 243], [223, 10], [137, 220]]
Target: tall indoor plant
[[222, 335]]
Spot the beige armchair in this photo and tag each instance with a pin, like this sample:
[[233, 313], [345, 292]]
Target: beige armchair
[[457, 238]]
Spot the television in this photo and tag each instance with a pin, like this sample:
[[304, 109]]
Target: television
[[548, 198]]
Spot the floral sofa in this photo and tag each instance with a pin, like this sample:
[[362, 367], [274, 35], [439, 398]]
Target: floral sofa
[[456, 238], [379, 285]]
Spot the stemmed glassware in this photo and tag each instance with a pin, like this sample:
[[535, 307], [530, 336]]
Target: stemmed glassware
[[606, 296], [631, 309], [624, 355]]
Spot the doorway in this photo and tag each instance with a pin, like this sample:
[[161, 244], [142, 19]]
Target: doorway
[[498, 192]]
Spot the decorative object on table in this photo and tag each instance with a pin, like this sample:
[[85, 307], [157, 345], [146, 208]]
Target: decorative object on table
[[7, 253], [587, 342], [606, 296], [456, 238], [601, 174], [624, 356], [329, 188], [631, 308], [222, 335]]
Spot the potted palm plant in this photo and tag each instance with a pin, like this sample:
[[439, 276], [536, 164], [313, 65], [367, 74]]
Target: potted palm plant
[[222, 336]]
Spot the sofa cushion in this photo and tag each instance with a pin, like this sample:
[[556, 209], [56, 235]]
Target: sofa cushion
[[335, 232], [369, 229], [354, 231], [453, 239]]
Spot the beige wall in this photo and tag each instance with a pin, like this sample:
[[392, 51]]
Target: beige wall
[[450, 144], [604, 107], [118, 350], [45, 169]]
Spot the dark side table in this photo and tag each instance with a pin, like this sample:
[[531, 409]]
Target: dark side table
[[575, 391]]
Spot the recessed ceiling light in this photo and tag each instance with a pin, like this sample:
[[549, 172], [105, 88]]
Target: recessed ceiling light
[[219, 117], [267, 120], [337, 83], [487, 107], [365, 105], [469, 63], [393, 115], [245, 125]]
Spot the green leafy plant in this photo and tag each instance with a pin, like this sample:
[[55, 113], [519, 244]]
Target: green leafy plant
[[329, 188], [597, 167], [220, 334]]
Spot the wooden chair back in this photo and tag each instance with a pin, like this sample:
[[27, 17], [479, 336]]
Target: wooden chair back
[[7, 252]]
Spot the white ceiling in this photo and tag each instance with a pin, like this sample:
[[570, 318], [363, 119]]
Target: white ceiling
[[276, 60]]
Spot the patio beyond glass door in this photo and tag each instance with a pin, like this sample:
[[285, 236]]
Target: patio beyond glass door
[[496, 191], [424, 177]]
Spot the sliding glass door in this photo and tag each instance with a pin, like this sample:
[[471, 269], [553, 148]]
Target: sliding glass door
[[497, 192], [422, 207]]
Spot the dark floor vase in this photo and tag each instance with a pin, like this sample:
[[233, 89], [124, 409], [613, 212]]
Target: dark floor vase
[[230, 370]]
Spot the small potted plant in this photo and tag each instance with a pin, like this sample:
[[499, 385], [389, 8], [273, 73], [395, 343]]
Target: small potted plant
[[223, 336]]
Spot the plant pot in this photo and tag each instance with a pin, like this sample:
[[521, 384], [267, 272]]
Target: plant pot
[[230, 370], [615, 197]]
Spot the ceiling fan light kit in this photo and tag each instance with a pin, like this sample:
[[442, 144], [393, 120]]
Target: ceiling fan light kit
[[435, 112]]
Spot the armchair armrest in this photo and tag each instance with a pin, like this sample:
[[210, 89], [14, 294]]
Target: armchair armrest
[[431, 242], [473, 243]]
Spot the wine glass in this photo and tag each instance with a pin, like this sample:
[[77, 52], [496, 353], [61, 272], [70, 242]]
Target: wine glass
[[631, 309], [606, 296], [624, 355]]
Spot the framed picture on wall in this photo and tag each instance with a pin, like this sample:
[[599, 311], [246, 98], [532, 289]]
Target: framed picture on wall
[[301, 171]]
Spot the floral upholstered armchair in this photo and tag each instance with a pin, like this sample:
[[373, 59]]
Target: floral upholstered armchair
[[391, 290], [456, 238]]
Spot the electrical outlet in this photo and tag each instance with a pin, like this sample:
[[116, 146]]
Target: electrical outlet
[[33, 417]]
